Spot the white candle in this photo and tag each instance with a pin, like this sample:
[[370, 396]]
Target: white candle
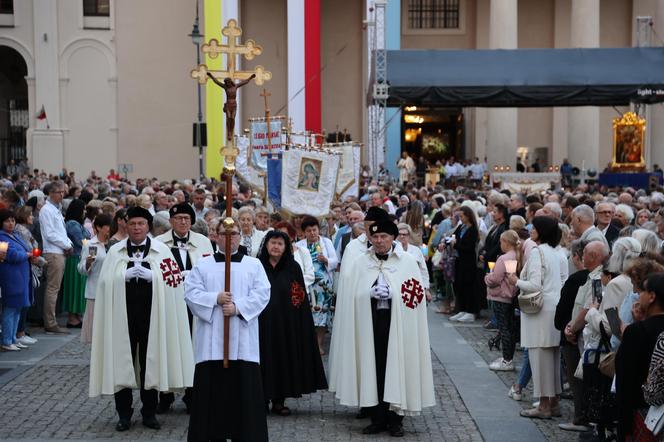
[[510, 266], [84, 242], [4, 246]]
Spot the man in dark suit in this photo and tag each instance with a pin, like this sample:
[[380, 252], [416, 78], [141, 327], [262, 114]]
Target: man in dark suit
[[604, 213]]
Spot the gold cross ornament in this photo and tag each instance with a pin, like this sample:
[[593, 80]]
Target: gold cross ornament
[[231, 49]]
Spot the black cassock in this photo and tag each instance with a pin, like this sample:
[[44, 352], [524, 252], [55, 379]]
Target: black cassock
[[289, 356]]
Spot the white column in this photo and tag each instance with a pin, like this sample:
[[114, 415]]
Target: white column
[[502, 122], [560, 137], [656, 122], [583, 122], [47, 145]]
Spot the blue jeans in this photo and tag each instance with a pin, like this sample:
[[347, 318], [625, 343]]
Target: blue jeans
[[10, 317], [526, 373]]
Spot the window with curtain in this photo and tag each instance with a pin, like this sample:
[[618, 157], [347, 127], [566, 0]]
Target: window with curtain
[[433, 14], [96, 8]]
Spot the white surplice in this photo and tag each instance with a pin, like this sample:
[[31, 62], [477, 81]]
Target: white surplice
[[250, 290]]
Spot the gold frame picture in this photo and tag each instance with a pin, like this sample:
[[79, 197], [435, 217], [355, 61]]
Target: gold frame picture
[[629, 134]]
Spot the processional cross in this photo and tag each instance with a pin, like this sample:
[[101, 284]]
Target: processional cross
[[226, 79]]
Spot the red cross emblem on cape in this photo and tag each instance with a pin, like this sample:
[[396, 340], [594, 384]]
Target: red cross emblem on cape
[[170, 272], [412, 293], [297, 294]]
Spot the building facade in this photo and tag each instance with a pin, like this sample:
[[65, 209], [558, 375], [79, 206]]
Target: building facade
[[112, 77]]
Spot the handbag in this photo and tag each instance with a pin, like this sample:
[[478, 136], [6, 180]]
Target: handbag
[[607, 361], [531, 303], [653, 388]]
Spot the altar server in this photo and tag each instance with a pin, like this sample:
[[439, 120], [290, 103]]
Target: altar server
[[140, 321], [228, 403]]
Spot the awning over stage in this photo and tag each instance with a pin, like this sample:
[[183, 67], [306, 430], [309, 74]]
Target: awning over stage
[[526, 77]]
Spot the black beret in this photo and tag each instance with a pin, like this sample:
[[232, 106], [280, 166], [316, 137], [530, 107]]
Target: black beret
[[384, 226], [183, 208], [376, 214], [139, 212]]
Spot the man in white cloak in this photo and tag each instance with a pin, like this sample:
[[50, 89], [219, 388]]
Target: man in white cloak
[[380, 355], [187, 248], [228, 403], [140, 324]]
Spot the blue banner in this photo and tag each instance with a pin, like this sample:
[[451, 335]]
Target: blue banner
[[274, 180]]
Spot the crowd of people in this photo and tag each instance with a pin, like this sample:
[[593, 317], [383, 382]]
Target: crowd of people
[[573, 276]]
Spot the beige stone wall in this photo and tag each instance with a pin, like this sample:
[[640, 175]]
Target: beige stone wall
[[265, 22], [341, 90], [463, 39], [156, 96]]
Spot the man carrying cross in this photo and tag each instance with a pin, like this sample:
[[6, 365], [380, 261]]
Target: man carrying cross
[[380, 356], [228, 403]]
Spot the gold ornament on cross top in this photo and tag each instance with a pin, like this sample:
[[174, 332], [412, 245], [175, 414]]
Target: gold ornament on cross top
[[226, 80]]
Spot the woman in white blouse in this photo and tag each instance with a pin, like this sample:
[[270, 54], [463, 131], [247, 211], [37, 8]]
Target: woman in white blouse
[[545, 272], [250, 237], [325, 263], [92, 258], [301, 254]]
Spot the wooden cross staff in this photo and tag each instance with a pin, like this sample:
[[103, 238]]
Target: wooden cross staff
[[232, 49]]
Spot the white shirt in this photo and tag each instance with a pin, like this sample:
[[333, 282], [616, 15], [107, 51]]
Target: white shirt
[[53, 231], [328, 251], [95, 268], [251, 293], [303, 258]]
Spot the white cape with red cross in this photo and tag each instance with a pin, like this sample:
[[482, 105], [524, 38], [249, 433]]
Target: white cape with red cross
[[408, 375]]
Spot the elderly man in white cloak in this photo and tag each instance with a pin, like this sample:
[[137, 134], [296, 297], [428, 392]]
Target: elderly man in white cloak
[[380, 355], [141, 325]]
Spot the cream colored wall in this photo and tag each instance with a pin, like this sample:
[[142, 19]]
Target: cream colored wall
[[341, 88], [156, 96], [451, 40], [536, 30], [616, 23], [265, 22]]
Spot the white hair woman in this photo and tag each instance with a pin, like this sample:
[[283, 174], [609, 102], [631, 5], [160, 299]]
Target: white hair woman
[[250, 237], [648, 239]]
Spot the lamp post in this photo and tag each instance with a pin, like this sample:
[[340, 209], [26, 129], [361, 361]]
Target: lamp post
[[196, 39]]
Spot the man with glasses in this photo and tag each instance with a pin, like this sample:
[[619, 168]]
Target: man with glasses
[[227, 403], [140, 321], [187, 248], [604, 213], [57, 245]]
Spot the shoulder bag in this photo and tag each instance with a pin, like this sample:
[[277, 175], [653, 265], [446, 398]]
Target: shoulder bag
[[531, 303]]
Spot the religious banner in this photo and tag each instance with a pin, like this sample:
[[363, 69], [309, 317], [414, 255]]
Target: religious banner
[[274, 163], [348, 177], [263, 143], [246, 170], [308, 180]]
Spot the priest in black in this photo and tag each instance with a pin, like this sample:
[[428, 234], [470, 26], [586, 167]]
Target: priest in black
[[290, 358]]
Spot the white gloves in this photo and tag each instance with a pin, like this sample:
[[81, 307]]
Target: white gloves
[[140, 272], [381, 291]]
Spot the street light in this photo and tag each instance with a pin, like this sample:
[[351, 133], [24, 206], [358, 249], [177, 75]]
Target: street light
[[196, 39]]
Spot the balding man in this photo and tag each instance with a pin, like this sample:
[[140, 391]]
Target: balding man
[[604, 213], [583, 224], [594, 255]]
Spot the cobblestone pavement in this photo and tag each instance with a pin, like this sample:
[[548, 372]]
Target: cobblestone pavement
[[477, 337], [49, 402]]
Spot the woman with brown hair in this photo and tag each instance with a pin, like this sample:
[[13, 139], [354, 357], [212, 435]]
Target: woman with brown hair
[[414, 217]]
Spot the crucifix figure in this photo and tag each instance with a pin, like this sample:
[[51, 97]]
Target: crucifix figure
[[230, 107]]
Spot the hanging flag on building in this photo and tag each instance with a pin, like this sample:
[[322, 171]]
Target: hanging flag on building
[[41, 115]]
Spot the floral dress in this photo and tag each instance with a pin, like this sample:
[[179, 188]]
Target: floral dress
[[321, 290]]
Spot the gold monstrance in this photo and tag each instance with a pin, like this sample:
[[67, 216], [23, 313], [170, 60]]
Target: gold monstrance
[[226, 80]]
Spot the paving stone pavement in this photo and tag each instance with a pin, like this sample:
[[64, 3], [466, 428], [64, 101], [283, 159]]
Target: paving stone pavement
[[477, 337], [49, 402]]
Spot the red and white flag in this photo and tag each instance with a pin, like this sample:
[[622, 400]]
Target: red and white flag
[[41, 115]]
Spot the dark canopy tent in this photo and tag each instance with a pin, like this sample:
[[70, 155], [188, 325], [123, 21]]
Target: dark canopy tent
[[525, 77]]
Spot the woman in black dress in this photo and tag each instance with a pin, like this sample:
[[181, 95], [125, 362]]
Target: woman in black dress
[[464, 241], [289, 356]]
